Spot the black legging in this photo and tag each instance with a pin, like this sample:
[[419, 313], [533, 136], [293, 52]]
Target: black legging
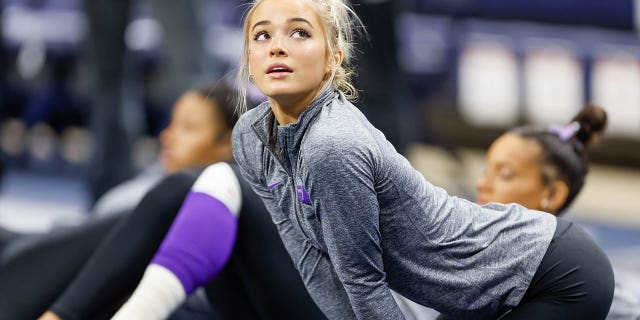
[[259, 281], [6, 237], [260, 271], [115, 268], [574, 280], [35, 269], [103, 259]]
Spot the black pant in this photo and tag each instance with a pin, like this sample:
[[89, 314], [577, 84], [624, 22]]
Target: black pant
[[574, 280], [258, 282], [35, 269]]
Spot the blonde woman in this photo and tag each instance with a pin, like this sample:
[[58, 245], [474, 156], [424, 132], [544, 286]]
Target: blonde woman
[[358, 220]]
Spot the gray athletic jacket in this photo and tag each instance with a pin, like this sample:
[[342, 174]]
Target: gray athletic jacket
[[357, 219]]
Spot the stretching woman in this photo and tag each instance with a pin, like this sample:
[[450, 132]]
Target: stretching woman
[[223, 232], [258, 282], [197, 135], [357, 219], [544, 168]]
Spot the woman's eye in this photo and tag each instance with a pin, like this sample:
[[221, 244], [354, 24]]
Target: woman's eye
[[300, 34], [506, 174], [261, 36]]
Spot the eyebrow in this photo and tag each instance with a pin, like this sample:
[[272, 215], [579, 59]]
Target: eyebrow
[[301, 20], [267, 22]]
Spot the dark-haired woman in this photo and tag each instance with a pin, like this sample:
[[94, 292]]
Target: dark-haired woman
[[544, 168]]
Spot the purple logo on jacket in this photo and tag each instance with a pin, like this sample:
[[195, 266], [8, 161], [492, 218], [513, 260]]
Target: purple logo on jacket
[[273, 185], [303, 196]]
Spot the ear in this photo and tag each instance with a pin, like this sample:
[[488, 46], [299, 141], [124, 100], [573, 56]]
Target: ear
[[338, 56], [557, 196]]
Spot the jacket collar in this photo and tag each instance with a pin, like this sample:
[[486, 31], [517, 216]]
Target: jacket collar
[[267, 129]]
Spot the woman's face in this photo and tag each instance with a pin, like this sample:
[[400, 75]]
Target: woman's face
[[288, 57], [193, 137], [513, 173]]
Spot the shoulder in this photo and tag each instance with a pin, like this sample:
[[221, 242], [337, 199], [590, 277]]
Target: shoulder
[[246, 145], [340, 139], [248, 118], [340, 129]]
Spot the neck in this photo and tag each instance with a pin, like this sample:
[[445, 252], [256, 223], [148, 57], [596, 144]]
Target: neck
[[288, 109]]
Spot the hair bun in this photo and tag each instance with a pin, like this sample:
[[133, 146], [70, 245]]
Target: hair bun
[[593, 121]]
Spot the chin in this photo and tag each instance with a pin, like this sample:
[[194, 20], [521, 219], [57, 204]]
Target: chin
[[284, 90], [280, 91]]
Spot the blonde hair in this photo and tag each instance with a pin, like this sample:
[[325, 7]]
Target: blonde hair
[[342, 25]]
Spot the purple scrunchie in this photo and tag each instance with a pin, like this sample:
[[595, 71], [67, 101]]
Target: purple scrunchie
[[565, 132]]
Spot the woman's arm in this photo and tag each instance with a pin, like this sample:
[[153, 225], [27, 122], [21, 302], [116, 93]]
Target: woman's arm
[[341, 185], [314, 266], [196, 248]]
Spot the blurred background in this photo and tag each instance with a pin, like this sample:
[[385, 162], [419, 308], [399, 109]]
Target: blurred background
[[86, 87]]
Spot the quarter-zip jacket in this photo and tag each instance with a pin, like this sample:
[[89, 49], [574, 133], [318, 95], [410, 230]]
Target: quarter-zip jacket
[[358, 220]]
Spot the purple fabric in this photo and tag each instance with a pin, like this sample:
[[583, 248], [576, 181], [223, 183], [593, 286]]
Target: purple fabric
[[199, 242], [271, 186], [303, 196], [564, 132]]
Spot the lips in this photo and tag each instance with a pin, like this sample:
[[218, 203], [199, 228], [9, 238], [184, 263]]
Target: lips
[[279, 68]]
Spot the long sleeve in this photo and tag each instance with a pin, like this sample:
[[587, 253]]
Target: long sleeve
[[313, 265], [342, 187], [363, 217]]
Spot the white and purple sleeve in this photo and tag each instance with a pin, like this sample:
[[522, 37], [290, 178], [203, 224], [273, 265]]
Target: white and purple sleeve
[[194, 250]]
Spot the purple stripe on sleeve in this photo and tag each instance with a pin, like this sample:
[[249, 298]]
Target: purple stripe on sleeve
[[199, 242]]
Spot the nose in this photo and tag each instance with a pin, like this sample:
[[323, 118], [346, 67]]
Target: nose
[[278, 48]]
